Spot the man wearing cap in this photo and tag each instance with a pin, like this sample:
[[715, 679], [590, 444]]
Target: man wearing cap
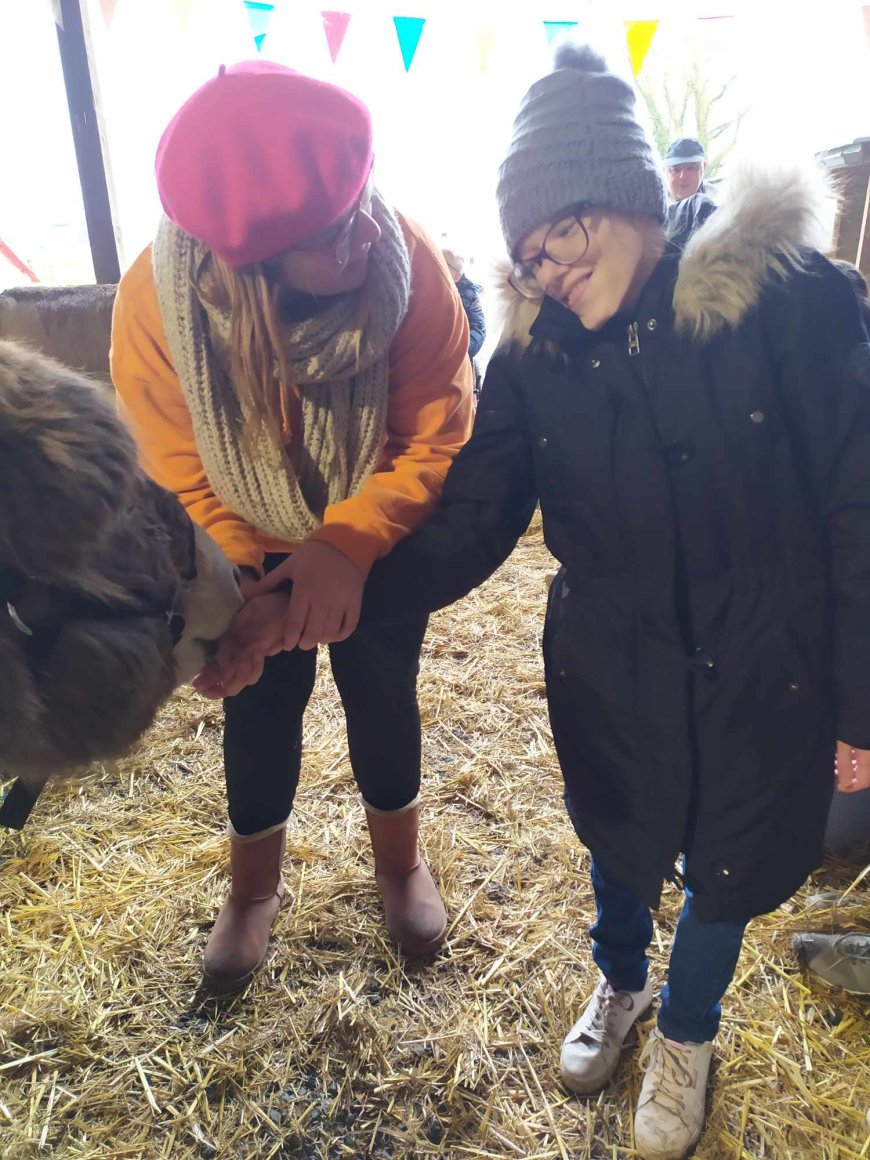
[[685, 165], [685, 162], [291, 355]]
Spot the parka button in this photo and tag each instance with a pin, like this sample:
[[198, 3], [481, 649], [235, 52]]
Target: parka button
[[793, 686], [652, 324], [596, 363], [704, 663], [542, 441], [677, 453], [720, 869], [757, 416]]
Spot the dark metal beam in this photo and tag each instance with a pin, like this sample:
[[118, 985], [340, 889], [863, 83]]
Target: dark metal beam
[[86, 137]]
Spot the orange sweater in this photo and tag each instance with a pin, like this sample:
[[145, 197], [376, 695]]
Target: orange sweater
[[428, 418]]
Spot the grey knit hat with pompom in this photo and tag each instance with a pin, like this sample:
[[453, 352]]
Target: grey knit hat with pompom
[[576, 139]]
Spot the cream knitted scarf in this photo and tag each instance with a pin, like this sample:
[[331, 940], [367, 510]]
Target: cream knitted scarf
[[342, 375]]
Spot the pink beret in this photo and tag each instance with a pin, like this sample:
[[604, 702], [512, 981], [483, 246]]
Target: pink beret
[[262, 157]]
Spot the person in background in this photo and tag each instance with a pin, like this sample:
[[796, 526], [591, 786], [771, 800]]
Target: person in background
[[685, 165], [291, 356], [469, 292], [691, 204]]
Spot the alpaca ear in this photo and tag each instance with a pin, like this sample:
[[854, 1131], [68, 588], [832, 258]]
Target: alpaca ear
[[67, 464]]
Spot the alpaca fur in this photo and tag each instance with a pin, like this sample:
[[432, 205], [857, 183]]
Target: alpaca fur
[[767, 217], [68, 467], [94, 560]]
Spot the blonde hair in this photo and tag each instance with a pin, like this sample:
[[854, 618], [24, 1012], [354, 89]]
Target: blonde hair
[[255, 354], [454, 261]]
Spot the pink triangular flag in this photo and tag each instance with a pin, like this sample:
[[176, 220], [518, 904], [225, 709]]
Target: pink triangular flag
[[108, 7], [335, 25]]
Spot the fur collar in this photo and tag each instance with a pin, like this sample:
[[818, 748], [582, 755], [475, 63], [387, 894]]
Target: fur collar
[[767, 217]]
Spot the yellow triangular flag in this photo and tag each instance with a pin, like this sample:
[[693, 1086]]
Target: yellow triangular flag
[[640, 35], [485, 44], [184, 8]]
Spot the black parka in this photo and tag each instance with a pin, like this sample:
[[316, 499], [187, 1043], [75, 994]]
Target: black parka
[[703, 473]]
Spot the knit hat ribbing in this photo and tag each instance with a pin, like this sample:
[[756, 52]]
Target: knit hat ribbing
[[576, 139]]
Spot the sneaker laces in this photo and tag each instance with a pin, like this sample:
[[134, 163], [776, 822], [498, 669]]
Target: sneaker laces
[[601, 1013], [670, 1078]]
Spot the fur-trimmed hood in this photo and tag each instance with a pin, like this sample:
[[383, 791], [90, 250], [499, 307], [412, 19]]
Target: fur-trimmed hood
[[767, 217]]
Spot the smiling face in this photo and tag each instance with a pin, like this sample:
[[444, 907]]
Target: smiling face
[[685, 178], [619, 258]]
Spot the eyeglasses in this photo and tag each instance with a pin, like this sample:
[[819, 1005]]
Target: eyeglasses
[[338, 241], [565, 243]]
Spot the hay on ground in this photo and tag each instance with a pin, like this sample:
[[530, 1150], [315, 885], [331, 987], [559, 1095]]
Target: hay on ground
[[340, 1049]]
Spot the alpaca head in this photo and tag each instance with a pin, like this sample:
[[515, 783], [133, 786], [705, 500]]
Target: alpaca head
[[211, 601], [110, 595]]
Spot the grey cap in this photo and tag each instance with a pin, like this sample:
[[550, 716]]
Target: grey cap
[[576, 139], [684, 151]]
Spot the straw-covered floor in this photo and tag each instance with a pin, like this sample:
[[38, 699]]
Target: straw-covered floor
[[339, 1049]]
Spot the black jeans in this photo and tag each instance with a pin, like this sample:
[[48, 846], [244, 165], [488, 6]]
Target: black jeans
[[375, 672]]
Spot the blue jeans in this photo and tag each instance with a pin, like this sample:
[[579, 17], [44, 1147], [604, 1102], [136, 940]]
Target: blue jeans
[[703, 958]]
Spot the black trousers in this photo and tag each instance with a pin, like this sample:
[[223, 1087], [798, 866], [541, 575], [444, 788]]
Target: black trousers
[[375, 672]]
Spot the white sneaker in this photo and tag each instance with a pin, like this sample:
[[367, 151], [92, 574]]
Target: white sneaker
[[670, 1109], [590, 1051]]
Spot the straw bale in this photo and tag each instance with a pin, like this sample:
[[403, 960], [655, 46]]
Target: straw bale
[[339, 1048]]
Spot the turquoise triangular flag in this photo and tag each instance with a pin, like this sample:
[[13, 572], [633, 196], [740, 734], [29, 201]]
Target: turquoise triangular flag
[[409, 29], [259, 14], [555, 28]]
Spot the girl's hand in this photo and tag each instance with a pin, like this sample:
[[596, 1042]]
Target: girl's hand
[[852, 768], [256, 633], [326, 598]]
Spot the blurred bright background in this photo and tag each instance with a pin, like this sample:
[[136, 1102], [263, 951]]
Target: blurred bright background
[[764, 78]]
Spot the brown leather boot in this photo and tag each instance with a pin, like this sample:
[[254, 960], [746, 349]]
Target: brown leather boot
[[416, 918], [239, 940]]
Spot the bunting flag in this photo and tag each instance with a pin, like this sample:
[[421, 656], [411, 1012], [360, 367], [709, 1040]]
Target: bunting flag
[[335, 26], [13, 259], [409, 29], [184, 8], [640, 35], [108, 9], [485, 44], [555, 28], [259, 14]]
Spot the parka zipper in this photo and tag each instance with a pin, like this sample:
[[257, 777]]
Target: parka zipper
[[675, 877]]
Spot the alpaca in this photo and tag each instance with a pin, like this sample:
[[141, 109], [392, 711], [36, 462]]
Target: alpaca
[[110, 596]]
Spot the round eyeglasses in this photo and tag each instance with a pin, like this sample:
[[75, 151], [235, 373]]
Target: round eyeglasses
[[338, 242], [565, 243]]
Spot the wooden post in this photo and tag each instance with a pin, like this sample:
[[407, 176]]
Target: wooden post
[[86, 137], [862, 258]]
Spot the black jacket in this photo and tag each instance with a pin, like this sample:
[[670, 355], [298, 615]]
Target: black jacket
[[703, 471], [688, 215], [470, 295]]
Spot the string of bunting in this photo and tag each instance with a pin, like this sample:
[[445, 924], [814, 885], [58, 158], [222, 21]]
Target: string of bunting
[[409, 30]]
